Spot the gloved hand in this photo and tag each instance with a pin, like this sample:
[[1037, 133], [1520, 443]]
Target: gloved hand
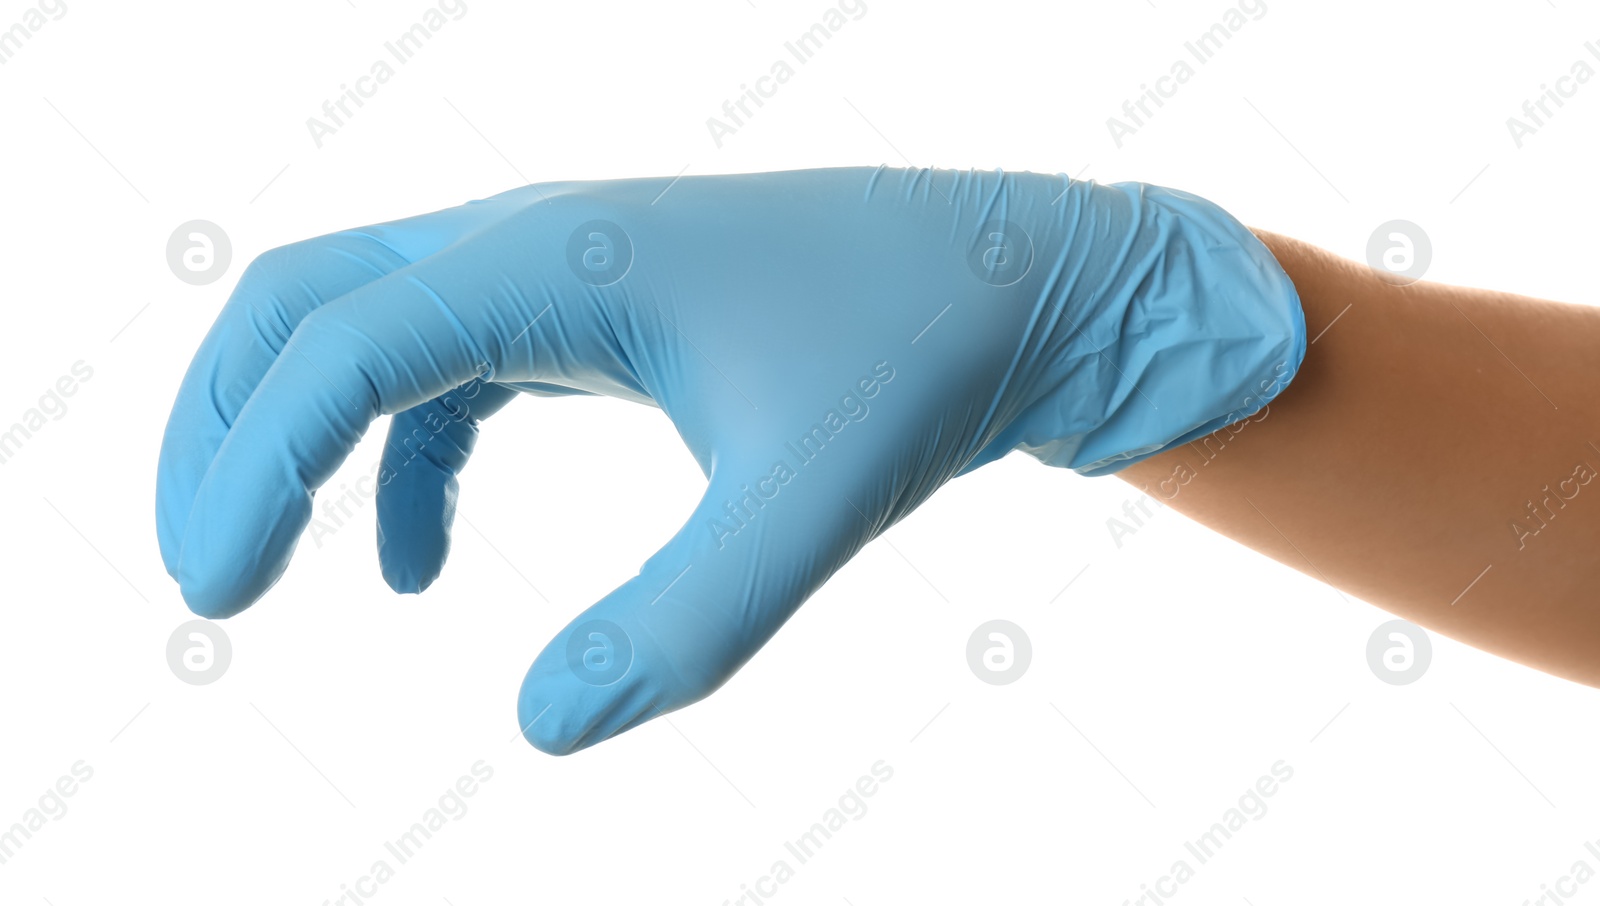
[[832, 345]]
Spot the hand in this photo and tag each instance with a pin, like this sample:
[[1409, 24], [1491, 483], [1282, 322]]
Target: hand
[[832, 345]]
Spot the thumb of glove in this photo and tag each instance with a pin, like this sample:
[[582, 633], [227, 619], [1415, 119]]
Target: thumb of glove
[[763, 538]]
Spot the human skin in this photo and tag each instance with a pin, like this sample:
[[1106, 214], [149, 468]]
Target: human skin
[[1395, 466]]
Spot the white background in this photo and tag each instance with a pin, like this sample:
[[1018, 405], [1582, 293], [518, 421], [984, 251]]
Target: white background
[[1171, 674]]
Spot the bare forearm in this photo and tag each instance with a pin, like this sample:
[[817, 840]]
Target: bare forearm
[[1400, 463]]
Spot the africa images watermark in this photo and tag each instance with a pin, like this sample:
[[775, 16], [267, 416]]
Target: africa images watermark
[[33, 19], [1252, 806], [1539, 109], [450, 409], [804, 449], [52, 806], [401, 49], [1544, 507], [51, 407], [199, 652], [1137, 111], [736, 111], [451, 806], [1566, 886], [1137, 511], [851, 806], [999, 652], [1399, 652]]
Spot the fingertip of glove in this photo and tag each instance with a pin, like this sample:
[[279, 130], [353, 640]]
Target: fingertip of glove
[[558, 719], [217, 584], [405, 579], [211, 598], [410, 559], [551, 733], [557, 745]]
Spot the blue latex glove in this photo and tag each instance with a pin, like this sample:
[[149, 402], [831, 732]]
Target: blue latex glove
[[832, 345]]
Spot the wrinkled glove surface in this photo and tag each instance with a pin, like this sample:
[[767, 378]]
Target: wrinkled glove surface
[[832, 345]]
